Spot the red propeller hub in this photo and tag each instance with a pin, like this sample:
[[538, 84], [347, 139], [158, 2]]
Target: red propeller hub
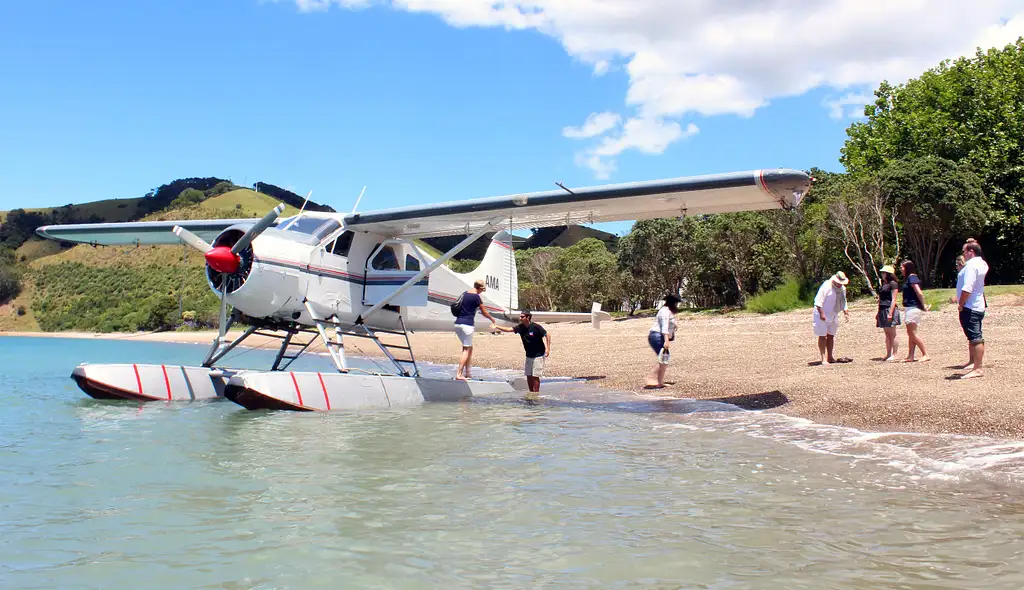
[[222, 259]]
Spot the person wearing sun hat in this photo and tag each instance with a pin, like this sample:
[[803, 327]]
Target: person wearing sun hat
[[829, 301], [888, 316]]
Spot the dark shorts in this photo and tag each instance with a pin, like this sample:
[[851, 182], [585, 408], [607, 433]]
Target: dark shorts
[[970, 321], [656, 340], [882, 318]]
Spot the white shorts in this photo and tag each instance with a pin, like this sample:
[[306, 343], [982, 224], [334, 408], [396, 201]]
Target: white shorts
[[465, 333], [825, 328], [912, 315], [534, 366]]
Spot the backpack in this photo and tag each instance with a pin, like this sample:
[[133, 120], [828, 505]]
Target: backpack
[[457, 306]]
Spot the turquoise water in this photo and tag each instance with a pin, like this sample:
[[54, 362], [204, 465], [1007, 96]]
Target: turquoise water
[[587, 488]]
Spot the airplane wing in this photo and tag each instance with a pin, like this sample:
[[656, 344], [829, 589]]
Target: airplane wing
[[136, 232], [675, 197]]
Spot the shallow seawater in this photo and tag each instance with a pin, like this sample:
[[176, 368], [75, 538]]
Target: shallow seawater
[[585, 488]]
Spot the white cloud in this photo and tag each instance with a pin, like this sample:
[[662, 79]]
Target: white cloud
[[716, 57], [596, 124], [646, 135], [837, 107]]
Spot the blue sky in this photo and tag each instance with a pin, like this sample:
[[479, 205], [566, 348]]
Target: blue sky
[[113, 98]]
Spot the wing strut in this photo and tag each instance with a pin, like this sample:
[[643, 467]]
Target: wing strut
[[433, 265]]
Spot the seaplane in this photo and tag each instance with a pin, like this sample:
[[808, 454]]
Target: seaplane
[[331, 277]]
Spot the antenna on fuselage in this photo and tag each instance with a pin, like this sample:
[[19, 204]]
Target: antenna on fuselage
[[306, 201], [359, 199]]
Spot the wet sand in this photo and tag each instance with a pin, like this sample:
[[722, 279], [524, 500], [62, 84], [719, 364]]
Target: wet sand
[[764, 362]]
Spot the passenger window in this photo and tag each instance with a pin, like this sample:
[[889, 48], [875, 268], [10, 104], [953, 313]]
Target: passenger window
[[385, 260], [411, 262], [342, 245]]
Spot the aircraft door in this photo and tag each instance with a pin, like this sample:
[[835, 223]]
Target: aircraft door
[[333, 283], [387, 268]]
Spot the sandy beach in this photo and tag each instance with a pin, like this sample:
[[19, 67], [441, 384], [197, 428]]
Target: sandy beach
[[763, 362]]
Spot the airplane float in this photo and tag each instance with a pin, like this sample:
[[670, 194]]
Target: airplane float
[[329, 277]]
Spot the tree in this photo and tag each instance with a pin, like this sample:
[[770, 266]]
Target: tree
[[654, 257], [864, 222], [533, 268], [583, 273], [189, 196], [970, 111], [10, 283], [220, 188], [936, 200], [749, 250], [802, 229]]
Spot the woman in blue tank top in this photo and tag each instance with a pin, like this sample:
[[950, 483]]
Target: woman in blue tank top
[[464, 326], [913, 311]]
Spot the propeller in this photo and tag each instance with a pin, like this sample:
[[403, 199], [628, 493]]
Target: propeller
[[191, 239], [226, 260], [257, 228]]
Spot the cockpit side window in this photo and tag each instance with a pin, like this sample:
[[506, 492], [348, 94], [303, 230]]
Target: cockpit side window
[[411, 262], [317, 227], [385, 260], [342, 245]]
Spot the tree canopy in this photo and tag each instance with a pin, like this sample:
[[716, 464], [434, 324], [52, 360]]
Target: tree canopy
[[969, 111]]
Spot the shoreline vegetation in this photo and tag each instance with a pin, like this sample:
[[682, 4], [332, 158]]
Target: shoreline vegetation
[[766, 362]]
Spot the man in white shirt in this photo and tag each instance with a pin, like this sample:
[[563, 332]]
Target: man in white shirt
[[830, 300], [971, 303]]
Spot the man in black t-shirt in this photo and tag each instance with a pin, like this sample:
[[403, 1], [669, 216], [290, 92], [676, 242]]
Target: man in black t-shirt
[[536, 343]]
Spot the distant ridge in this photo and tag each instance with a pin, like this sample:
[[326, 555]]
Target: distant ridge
[[290, 198]]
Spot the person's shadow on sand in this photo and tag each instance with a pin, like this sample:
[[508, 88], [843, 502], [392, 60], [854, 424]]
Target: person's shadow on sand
[[840, 360]]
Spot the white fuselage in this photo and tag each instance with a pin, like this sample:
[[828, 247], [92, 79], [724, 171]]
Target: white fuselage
[[333, 274]]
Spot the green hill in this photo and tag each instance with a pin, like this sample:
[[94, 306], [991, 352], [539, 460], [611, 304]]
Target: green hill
[[119, 288]]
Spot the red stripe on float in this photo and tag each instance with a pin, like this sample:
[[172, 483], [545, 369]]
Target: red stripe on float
[[137, 378], [167, 382], [327, 400], [297, 392]]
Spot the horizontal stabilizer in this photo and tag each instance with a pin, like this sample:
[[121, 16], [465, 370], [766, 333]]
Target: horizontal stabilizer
[[595, 317]]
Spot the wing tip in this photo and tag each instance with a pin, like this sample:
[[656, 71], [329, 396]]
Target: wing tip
[[785, 184]]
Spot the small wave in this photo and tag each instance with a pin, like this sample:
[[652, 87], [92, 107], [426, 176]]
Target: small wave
[[918, 456]]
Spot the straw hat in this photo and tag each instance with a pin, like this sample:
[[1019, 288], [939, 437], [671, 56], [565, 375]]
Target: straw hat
[[840, 278], [888, 268]]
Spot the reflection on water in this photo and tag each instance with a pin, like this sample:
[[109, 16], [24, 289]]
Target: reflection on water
[[582, 489]]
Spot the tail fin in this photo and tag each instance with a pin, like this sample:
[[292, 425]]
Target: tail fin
[[498, 271]]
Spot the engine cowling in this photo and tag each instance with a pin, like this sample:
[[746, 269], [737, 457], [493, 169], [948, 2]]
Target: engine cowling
[[222, 264]]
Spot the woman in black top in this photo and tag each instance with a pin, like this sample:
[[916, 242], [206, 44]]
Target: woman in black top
[[888, 316], [913, 311]]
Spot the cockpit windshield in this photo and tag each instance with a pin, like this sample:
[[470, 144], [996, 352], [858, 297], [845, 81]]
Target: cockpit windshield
[[318, 227]]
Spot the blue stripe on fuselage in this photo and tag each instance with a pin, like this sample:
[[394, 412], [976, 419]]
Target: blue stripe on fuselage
[[338, 274]]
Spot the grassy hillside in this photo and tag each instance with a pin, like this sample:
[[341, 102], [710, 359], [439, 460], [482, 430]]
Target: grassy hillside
[[123, 288]]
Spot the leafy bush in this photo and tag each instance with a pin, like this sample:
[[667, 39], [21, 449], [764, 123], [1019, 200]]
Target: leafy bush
[[220, 188], [189, 196], [790, 295], [10, 283], [120, 298]]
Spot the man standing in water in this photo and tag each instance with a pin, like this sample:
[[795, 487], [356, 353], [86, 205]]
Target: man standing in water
[[534, 338], [971, 303], [829, 301]]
